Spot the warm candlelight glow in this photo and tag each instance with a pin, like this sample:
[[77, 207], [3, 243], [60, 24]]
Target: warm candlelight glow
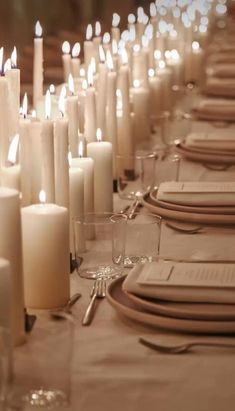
[[152, 10], [80, 149], [101, 54], [162, 64], [82, 72], [66, 47], [136, 83], [93, 65], [12, 153], [97, 28], [195, 45], [33, 114], [119, 100], [109, 60], [25, 105], [89, 32], [175, 54], [7, 65], [52, 88], [71, 84], [157, 54], [131, 18], [149, 31], [167, 54], [84, 84], [151, 72], [42, 197], [76, 50], [14, 58], [124, 56], [145, 41], [136, 48], [106, 38], [99, 134], [90, 77], [114, 47], [48, 105], [61, 103], [116, 20], [70, 158], [38, 29]]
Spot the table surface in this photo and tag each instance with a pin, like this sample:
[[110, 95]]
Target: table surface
[[111, 369]]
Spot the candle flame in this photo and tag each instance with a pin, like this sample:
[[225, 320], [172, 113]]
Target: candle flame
[[195, 45], [61, 103], [151, 72], [84, 84], [175, 54], [14, 58], [34, 114], [149, 31], [66, 47], [136, 48], [7, 65], [90, 76], [89, 32], [145, 41], [38, 29], [167, 54], [25, 105], [116, 20], [48, 105], [157, 55], [136, 83], [124, 56], [76, 50], [80, 149], [97, 28], [101, 54], [42, 197], [131, 18], [70, 158], [71, 83], [162, 64], [52, 88], [99, 134], [12, 153], [109, 60], [82, 72], [125, 35], [152, 10], [1, 58], [114, 47], [93, 64], [106, 38]]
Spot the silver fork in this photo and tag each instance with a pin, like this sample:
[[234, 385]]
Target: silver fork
[[183, 348], [98, 291]]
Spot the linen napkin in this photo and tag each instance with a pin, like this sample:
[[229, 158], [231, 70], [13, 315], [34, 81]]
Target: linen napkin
[[223, 140], [198, 193], [184, 282]]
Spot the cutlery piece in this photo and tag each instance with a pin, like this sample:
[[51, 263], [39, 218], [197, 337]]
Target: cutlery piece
[[98, 291], [67, 308], [125, 209], [184, 230], [183, 348], [136, 204]]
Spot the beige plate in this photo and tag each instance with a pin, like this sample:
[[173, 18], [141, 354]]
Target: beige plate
[[189, 217], [125, 306], [205, 157]]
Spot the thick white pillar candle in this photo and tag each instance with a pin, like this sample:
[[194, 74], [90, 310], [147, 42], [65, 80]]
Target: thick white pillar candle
[[76, 199], [38, 65], [61, 162], [10, 249], [48, 169], [140, 96], [45, 236], [87, 165], [101, 152], [66, 60]]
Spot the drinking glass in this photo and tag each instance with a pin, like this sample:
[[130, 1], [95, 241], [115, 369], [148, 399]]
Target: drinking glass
[[172, 126], [142, 239], [42, 366], [135, 174], [100, 244]]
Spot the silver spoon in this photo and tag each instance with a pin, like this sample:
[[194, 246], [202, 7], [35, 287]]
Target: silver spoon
[[183, 348], [67, 308]]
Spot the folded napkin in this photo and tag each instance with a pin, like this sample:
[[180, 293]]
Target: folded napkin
[[198, 193], [185, 282], [220, 86], [223, 70], [223, 140], [217, 107]]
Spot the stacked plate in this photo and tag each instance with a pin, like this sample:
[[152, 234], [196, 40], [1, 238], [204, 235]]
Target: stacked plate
[[199, 213], [203, 155], [133, 300]]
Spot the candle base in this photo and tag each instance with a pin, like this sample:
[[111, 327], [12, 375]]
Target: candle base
[[29, 322]]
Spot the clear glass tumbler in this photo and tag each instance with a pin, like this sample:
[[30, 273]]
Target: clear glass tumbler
[[100, 244]]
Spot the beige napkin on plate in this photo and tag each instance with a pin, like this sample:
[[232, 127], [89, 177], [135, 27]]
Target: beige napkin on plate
[[223, 140], [185, 282], [198, 193]]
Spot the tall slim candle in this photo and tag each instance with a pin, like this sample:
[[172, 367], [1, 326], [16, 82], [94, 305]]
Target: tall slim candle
[[75, 61], [38, 65], [66, 59], [90, 109], [13, 76]]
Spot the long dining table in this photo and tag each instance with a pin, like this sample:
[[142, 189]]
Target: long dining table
[[111, 370]]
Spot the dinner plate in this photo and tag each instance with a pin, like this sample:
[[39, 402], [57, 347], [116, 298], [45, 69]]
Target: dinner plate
[[185, 216], [196, 311], [204, 157], [125, 306], [191, 209], [203, 115]]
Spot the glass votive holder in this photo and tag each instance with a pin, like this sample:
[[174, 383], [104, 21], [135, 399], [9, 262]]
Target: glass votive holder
[[135, 174], [167, 167], [172, 126], [42, 366], [100, 245], [142, 239]]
